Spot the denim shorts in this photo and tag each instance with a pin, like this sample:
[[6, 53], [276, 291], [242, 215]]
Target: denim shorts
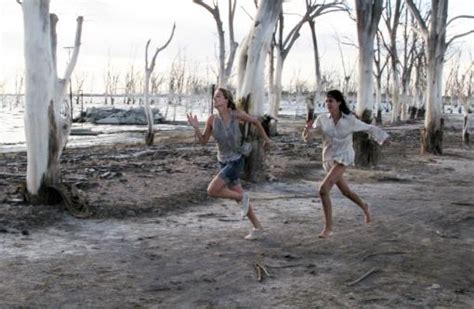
[[230, 171]]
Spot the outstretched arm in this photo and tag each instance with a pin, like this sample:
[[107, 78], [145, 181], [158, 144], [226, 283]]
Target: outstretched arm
[[243, 116], [311, 125], [376, 133], [204, 137]]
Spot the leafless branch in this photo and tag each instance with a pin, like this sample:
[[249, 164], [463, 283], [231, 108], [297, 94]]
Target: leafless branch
[[416, 14], [458, 17], [247, 13], [75, 52], [162, 47], [146, 53], [458, 36]]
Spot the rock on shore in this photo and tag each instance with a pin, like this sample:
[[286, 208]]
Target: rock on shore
[[113, 115]]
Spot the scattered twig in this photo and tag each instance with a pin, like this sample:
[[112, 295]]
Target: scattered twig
[[261, 272], [264, 269], [370, 272], [382, 253], [462, 204], [284, 266]]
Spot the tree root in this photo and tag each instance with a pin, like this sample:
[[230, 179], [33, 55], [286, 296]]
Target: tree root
[[66, 194]]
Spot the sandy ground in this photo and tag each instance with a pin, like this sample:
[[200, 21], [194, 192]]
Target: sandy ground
[[155, 239]]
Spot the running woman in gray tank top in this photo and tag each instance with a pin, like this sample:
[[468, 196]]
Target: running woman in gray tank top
[[224, 127]]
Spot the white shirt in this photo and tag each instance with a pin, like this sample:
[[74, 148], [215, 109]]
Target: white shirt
[[337, 138]]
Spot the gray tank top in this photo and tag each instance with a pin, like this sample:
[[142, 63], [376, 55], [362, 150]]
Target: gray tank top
[[228, 138]]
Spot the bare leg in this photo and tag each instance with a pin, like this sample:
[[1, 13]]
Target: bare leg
[[328, 182], [218, 188], [347, 192], [251, 215]]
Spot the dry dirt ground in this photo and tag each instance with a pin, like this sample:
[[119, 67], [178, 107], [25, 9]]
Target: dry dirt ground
[[154, 239]]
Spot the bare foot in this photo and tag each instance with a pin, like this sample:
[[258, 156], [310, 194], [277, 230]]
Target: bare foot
[[367, 217], [325, 233]]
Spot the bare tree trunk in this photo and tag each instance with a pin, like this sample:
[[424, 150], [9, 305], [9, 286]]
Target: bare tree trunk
[[379, 69], [278, 88], [46, 126], [378, 101], [317, 64], [250, 95], [420, 85], [368, 17], [432, 133], [150, 134], [436, 45], [466, 123], [271, 79]]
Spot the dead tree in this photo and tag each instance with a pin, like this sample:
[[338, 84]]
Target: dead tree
[[434, 35], [368, 17], [47, 119], [392, 21], [419, 85], [225, 68], [314, 9], [149, 67], [463, 90], [251, 65], [380, 65], [407, 63]]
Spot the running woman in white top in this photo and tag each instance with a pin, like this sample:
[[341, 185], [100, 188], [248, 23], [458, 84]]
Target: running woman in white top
[[336, 129]]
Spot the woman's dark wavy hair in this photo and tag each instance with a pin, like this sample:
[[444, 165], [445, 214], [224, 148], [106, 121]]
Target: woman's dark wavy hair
[[228, 95], [339, 97]]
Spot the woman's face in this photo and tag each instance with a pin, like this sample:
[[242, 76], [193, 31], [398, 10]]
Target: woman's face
[[219, 99], [332, 105]]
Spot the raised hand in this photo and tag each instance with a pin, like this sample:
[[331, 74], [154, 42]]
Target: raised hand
[[267, 144], [193, 121], [305, 133]]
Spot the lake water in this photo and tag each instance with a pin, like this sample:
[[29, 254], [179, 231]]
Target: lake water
[[12, 133]]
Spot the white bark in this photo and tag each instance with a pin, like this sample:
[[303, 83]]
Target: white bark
[[395, 118], [433, 94], [252, 55], [392, 20], [436, 45], [146, 91], [368, 17], [378, 97], [365, 81], [46, 126], [420, 82], [467, 120], [277, 87], [39, 85], [379, 70], [317, 64], [435, 38]]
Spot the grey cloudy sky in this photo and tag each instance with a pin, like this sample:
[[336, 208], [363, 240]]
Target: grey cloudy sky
[[117, 30]]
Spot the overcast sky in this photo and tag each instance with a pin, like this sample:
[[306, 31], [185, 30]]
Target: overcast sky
[[117, 30]]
